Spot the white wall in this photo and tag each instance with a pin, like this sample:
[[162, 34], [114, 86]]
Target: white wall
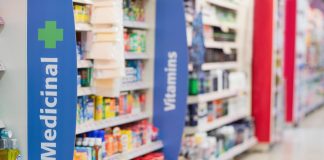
[[13, 85]]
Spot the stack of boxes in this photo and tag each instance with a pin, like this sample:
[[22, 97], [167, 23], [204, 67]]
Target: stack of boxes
[[107, 48]]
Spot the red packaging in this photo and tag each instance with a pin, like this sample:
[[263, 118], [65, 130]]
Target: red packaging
[[126, 40]]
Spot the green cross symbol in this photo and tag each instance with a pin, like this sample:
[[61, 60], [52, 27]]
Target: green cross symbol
[[50, 34]]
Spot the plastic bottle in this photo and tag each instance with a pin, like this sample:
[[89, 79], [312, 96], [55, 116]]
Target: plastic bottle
[[193, 84]]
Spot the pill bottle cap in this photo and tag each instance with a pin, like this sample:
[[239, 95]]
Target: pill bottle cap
[[5, 133]]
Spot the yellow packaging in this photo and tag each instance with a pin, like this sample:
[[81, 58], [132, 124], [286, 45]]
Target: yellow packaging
[[130, 139], [83, 14], [78, 14], [113, 107], [108, 112], [11, 154], [99, 108], [87, 14]]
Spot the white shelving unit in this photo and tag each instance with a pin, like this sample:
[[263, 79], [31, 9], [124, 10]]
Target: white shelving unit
[[217, 65], [223, 26], [147, 58], [216, 124], [212, 96], [278, 79], [136, 25], [85, 91], [225, 65], [137, 152], [136, 56], [237, 150], [242, 47], [224, 3], [145, 85], [83, 1], [313, 107], [84, 64], [221, 45], [83, 27], [135, 86], [120, 120]]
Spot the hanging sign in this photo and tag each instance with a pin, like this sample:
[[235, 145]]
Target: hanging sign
[[171, 75], [51, 80]]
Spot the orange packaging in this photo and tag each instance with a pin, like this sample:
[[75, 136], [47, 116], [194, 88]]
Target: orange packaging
[[113, 107], [109, 144], [121, 105], [130, 103]]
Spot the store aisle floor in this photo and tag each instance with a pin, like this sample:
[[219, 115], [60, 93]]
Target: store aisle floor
[[303, 143]]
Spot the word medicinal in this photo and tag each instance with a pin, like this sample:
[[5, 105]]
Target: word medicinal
[[48, 112]]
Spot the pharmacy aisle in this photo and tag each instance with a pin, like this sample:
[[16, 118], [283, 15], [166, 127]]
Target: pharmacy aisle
[[158, 79], [94, 80], [218, 122], [306, 70]]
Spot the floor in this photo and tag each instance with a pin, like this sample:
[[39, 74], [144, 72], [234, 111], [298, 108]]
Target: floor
[[303, 143]]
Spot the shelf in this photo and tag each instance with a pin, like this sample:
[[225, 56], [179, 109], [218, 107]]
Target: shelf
[[224, 26], [136, 56], [221, 45], [313, 107], [2, 125], [224, 4], [84, 64], [135, 25], [85, 91], [120, 120], [83, 1], [216, 124], [224, 65], [237, 150], [137, 152], [216, 65], [212, 96], [135, 86], [85, 27]]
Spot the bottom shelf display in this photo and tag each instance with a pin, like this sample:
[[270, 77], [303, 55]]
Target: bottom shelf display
[[219, 144], [118, 143], [8, 144]]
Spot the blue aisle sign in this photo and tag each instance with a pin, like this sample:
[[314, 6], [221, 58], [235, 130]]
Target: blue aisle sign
[[51, 80], [171, 75]]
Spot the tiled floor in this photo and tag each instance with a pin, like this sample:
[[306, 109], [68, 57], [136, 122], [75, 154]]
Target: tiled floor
[[303, 143]]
